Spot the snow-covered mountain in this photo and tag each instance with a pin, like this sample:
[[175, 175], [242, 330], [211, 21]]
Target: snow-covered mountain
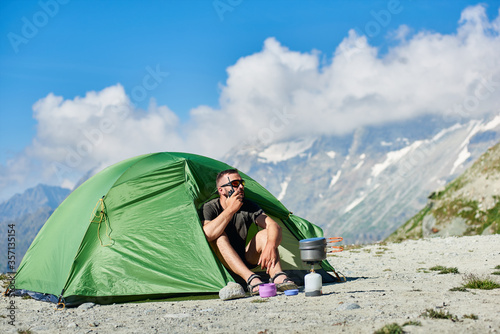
[[361, 186], [364, 185]]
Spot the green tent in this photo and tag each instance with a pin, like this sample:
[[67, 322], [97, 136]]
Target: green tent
[[133, 232]]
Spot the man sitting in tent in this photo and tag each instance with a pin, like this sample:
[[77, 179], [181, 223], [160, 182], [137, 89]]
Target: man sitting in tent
[[226, 221]]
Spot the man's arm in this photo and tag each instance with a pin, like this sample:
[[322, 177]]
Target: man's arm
[[214, 228], [269, 256]]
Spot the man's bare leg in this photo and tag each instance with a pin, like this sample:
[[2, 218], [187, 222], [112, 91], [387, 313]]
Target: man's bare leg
[[230, 259], [253, 251]]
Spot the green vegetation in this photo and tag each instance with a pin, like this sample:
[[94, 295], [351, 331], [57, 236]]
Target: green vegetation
[[446, 205], [433, 314], [456, 185], [471, 316], [496, 272], [445, 270], [419, 217], [481, 220], [493, 214], [477, 220], [351, 247], [457, 208], [495, 159], [412, 323], [260, 300], [441, 269], [409, 230], [474, 282], [24, 331], [393, 328]]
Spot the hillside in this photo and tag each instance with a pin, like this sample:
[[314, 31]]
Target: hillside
[[470, 205]]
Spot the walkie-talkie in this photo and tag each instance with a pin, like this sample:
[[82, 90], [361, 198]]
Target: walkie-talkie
[[231, 192]]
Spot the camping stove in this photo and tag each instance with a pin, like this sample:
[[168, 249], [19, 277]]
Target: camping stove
[[313, 251]]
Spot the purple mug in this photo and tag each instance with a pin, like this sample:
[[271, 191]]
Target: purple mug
[[267, 290]]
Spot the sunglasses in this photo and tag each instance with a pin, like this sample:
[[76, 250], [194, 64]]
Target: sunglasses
[[234, 183]]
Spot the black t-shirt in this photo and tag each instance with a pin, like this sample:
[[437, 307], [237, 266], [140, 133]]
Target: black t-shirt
[[237, 228]]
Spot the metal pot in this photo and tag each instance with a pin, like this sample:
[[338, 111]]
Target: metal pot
[[313, 250]]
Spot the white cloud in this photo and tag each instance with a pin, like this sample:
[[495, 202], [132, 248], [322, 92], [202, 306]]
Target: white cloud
[[101, 128], [456, 75], [275, 94]]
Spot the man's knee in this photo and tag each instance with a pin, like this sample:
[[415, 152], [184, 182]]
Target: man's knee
[[221, 240], [222, 245], [256, 245], [262, 235]]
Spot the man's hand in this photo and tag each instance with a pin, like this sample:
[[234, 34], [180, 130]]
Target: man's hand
[[235, 202], [269, 258]]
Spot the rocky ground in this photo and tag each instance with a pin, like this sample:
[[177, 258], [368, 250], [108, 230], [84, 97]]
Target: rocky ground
[[386, 284]]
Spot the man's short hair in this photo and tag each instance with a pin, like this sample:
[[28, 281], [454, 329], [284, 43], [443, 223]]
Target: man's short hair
[[224, 173]]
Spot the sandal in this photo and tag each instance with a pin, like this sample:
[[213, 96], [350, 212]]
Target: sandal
[[251, 287], [287, 283]]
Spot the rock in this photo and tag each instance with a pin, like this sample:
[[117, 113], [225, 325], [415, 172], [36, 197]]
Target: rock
[[348, 306], [86, 306], [72, 325], [231, 291]]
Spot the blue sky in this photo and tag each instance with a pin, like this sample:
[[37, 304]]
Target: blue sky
[[69, 48]]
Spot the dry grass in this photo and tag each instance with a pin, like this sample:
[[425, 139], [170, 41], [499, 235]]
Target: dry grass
[[445, 270], [441, 314]]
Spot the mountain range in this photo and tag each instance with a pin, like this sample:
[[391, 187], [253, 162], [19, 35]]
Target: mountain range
[[25, 214], [364, 185], [361, 186]]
